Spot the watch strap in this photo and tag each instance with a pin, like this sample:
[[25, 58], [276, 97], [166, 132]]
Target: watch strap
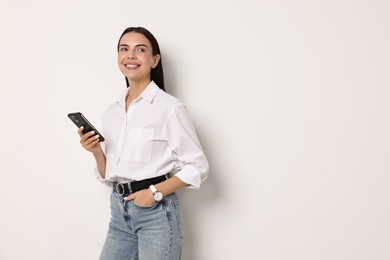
[[153, 188]]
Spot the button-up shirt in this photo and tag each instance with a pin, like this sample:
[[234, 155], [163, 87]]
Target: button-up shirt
[[154, 137]]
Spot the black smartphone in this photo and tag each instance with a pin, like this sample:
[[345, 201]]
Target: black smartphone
[[79, 120]]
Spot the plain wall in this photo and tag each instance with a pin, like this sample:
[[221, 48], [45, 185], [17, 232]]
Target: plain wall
[[290, 100]]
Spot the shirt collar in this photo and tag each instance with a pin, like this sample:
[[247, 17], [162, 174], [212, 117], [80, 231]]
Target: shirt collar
[[148, 94]]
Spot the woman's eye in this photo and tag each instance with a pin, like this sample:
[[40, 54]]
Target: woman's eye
[[123, 49], [140, 50]]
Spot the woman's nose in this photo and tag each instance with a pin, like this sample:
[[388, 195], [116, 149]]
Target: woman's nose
[[131, 55]]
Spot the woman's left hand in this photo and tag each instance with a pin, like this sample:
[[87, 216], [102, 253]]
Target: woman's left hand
[[143, 198]]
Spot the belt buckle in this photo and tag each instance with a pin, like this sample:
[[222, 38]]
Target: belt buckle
[[120, 189]]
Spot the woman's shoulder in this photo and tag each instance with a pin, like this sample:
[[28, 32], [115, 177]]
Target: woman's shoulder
[[168, 99]]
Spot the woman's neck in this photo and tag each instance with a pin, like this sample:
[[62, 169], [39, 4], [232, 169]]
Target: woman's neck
[[136, 88]]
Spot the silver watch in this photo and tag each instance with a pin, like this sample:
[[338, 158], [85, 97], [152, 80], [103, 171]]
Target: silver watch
[[157, 195]]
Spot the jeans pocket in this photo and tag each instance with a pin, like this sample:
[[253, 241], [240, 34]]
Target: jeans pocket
[[175, 217], [145, 207]]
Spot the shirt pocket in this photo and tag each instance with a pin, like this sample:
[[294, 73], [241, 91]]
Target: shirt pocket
[[138, 145]]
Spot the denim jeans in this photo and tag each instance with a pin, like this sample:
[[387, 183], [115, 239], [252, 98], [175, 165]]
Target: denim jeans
[[144, 233]]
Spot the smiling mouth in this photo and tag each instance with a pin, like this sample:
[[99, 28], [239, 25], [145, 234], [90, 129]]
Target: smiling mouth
[[132, 66]]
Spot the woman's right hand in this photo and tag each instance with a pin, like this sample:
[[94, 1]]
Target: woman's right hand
[[88, 141]]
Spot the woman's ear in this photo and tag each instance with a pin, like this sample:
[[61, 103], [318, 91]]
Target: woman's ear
[[156, 60]]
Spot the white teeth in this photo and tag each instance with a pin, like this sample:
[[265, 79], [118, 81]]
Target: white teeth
[[131, 66]]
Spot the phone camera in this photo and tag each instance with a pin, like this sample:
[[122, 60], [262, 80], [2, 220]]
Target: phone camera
[[74, 119]]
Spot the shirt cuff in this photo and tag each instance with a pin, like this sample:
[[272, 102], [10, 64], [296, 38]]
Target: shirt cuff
[[193, 176], [100, 178]]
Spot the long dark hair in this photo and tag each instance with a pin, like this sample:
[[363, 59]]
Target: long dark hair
[[156, 74]]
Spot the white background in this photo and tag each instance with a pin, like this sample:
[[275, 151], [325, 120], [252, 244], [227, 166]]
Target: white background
[[290, 100]]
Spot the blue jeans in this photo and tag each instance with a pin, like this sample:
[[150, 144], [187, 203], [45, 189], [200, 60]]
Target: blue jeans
[[144, 233]]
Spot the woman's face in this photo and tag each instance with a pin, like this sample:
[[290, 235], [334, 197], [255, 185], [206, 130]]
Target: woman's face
[[135, 57]]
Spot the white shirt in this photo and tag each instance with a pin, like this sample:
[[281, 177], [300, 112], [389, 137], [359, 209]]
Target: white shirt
[[153, 138]]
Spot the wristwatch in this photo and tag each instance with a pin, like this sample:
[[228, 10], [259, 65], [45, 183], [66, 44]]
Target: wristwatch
[[157, 195]]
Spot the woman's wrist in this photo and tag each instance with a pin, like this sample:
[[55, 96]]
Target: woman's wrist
[[98, 152], [171, 185]]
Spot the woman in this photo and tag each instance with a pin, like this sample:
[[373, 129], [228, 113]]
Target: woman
[[151, 151]]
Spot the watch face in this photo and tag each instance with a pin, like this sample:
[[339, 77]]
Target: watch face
[[158, 196]]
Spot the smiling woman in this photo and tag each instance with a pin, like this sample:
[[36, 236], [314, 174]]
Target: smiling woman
[[147, 43], [136, 58], [151, 151]]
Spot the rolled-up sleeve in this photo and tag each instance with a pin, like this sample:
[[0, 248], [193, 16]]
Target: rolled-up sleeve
[[183, 140]]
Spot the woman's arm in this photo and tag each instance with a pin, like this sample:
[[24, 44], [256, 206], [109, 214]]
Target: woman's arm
[[145, 197], [182, 138], [91, 144]]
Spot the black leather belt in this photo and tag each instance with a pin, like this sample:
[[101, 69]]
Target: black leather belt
[[134, 186]]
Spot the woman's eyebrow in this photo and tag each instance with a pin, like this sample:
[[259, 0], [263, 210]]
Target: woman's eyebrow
[[141, 45], [137, 45]]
